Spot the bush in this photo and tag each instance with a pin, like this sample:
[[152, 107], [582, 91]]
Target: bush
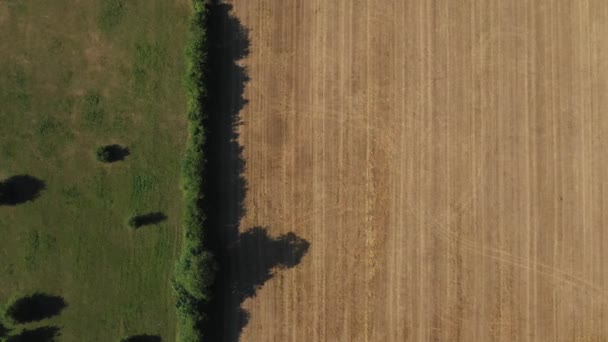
[[195, 270], [136, 221], [103, 154], [133, 222], [111, 153], [196, 274]]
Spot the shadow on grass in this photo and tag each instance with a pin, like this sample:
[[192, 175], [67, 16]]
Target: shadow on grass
[[246, 260], [42, 334], [20, 189], [35, 308], [117, 153], [149, 219], [142, 338]]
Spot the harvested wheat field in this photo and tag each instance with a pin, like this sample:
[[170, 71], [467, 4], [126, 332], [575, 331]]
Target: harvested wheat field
[[416, 170]]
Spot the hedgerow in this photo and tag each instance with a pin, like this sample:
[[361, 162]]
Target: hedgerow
[[196, 267]]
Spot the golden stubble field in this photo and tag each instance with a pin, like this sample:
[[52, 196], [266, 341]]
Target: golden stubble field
[[446, 161]]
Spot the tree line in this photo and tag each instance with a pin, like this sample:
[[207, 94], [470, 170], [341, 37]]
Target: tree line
[[196, 267]]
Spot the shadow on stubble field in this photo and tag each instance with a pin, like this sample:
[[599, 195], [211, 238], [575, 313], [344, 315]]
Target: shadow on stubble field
[[249, 259]]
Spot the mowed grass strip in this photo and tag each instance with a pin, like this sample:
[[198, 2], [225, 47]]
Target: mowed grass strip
[[75, 76]]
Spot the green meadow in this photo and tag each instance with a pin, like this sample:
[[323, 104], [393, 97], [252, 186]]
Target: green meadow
[[76, 75]]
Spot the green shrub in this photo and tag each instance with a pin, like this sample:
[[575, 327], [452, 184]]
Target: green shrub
[[196, 274], [136, 221], [103, 154], [133, 222], [111, 153], [195, 270]]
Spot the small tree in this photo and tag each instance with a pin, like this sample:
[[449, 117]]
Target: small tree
[[111, 153], [134, 221], [104, 154]]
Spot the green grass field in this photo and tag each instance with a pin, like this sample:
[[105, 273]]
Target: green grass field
[[75, 75]]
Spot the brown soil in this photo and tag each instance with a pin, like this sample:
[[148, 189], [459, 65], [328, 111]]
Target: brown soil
[[441, 164]]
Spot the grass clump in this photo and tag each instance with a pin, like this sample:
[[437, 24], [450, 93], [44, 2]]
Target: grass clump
[[195, 271], [112, 14], [92, 110]]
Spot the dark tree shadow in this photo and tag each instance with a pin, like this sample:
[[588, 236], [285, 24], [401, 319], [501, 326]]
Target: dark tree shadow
[[142, 338], [35, 308], [248, 260], [3, 331], [258, 256], [20, 189], [117, 153], [147, 219], [43, 334]]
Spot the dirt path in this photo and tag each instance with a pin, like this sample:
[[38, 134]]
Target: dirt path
[[441, 164]]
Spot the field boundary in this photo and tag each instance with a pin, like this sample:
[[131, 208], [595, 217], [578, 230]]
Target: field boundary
[[196, 267]]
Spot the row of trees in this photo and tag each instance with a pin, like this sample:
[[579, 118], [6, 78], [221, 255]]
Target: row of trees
[[196, 267]]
